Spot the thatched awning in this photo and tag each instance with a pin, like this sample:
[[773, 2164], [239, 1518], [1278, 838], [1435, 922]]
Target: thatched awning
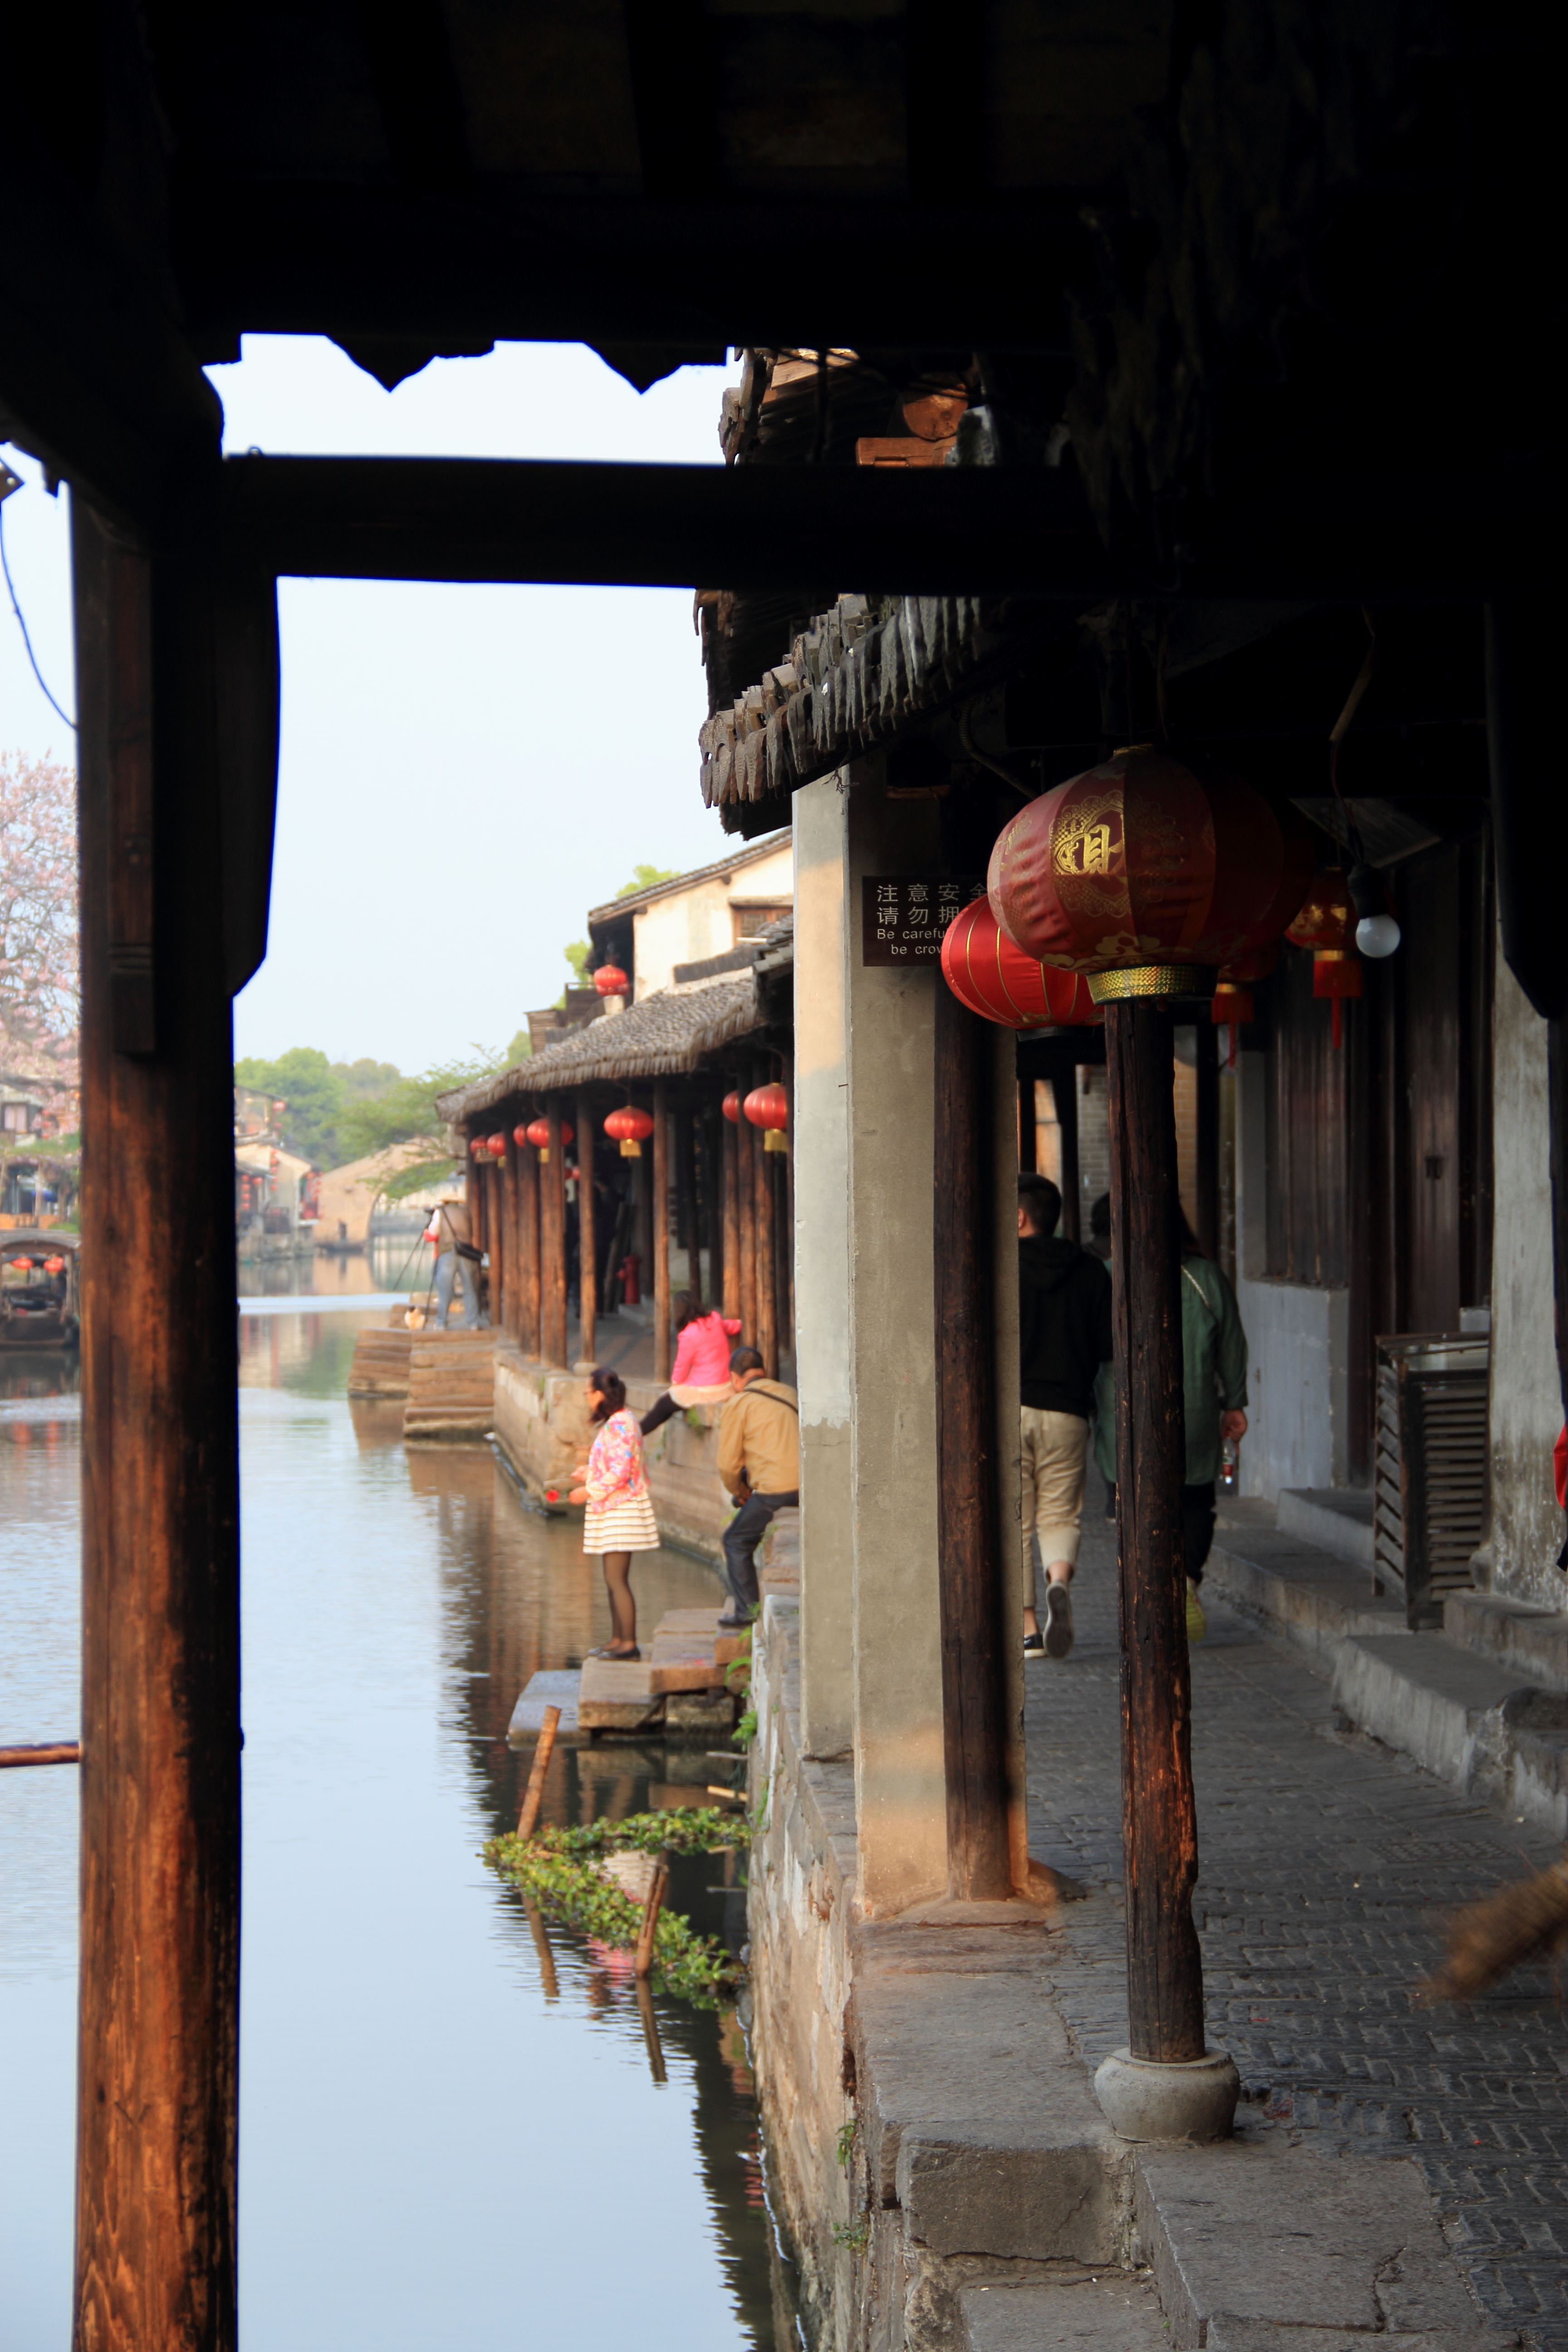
[[663, 1036]]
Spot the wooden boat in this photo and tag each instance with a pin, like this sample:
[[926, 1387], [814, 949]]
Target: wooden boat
[[38, 1289]]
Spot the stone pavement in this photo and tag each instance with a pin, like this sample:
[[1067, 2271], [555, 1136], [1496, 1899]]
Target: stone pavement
[[1328, 1864]]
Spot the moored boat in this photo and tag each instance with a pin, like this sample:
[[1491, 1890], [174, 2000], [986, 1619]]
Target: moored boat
[[38, 1289]]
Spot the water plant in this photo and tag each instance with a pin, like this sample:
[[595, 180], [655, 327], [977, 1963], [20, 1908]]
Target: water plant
[[555, 1869]]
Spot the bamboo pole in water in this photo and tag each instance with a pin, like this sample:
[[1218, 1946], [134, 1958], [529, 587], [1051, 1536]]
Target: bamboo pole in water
[[650, 1911], [534, 1795], [42, 1751]]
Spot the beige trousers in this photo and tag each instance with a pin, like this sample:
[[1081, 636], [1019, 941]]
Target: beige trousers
[[1055, 1450]]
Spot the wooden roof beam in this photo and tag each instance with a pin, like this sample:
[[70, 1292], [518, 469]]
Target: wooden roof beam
[[96, 380], [1028, 531]]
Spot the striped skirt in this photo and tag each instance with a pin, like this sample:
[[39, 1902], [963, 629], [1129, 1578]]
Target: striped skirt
[[625, 1523]]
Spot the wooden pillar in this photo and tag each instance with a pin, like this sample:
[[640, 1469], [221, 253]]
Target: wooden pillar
[[495, 1228], [588, 1245], [529, 1333], [660, 1232], [1029, 1159], [787, 1230], [1207, 1091], [714, 1125], [474, 1192], [764, 1214], [1063, 1095], [685, 1197], [979, 1857], [552, 1241], [160, 1777], [1158, 1821], [746, 1228], [729, 1156], [512, 1220]]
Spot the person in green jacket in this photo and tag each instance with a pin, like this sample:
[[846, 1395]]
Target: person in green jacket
[[1214, 1390]]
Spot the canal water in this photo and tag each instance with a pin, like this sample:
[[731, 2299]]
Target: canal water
[[453, 2128]]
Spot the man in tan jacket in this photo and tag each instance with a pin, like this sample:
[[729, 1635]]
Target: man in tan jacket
[[454, 1234], [759, 1460]]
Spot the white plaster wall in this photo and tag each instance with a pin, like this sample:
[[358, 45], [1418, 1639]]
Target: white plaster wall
[[1298, 1393], [1297, 1386], [1526, 1402], [684, 926]]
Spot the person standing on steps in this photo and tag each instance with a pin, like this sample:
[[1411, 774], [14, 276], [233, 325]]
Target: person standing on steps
[[619, 1518], [1064, 1338], [1214, 1396], [455, 1249], [759, 1462]]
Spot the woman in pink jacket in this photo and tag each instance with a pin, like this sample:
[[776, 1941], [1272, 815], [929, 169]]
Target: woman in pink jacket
[[700, 1372]]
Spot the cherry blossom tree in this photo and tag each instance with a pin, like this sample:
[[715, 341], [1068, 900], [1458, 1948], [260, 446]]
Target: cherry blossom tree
[[40, 997]]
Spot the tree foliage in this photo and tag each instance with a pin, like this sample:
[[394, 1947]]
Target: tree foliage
[[645, 876], [314, 1098], [40, 992]]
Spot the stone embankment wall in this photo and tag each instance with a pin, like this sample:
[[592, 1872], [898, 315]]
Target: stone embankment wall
[[542, 1427]]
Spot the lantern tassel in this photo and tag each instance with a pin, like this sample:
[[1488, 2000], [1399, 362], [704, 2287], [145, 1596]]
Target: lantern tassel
[[1230, 1057]]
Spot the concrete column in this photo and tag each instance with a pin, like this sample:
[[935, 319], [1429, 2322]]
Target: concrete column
[[820, 1135], [899, 1782], [1526, 1414]]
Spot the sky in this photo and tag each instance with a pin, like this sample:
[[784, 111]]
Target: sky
[[464, 770]]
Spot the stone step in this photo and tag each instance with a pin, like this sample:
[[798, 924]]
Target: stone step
[[1245, 2239], [1526, 1639], [1116, 2311], [1468, 1720], [1337, 1519], [1294, 1588], [554, 1686]]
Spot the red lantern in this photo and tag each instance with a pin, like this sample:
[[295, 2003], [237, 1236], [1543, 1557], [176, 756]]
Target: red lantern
[[1326, 924], [611, 981], [54, 1266], [630, 1128], [999, 982], [537, 1132], [732, 1106], [477, 1146], [496, 1146], [768, 1107], [1233, 992], [520, 1136], [1146, 874]]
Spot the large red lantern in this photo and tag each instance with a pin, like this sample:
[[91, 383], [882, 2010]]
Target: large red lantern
[[768, 1107], [732, 1106], [537, 1132], [1148, 874], [1233, 1002], [496, 1146], [1326, 923], [611, 981], [630, 1128], [999, 982]]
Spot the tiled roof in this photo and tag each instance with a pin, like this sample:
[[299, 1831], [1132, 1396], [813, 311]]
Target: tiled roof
[[660, 1036]]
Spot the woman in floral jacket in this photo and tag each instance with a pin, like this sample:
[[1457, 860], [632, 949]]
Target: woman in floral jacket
[[619, 1517]]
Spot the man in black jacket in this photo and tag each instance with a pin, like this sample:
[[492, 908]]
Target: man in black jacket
[[1064, 1337]]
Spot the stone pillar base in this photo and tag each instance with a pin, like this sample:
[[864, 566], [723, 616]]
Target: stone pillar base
[[1149, 2098]]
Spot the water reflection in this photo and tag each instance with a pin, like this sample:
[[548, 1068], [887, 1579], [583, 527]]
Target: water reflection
[[458, 2119]]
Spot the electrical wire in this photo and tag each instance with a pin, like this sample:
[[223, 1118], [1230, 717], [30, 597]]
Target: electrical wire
[[21, 624]]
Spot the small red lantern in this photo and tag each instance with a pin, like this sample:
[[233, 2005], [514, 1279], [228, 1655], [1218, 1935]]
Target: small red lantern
[[54, 1266], [1233, 992], [477, 1146], [1146, 873], [999, 982], [537, 1132], [732, 1106], [611, 981], [1326, 924], [768, 1107], [520, 1136], [496, 1146], [630, 1128]]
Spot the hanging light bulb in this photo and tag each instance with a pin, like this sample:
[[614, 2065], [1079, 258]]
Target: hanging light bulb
[[1376, 933]]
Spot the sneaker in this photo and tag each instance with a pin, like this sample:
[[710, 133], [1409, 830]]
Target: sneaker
[[1035, 1644], [1059, 1621], [1197, 1624]]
